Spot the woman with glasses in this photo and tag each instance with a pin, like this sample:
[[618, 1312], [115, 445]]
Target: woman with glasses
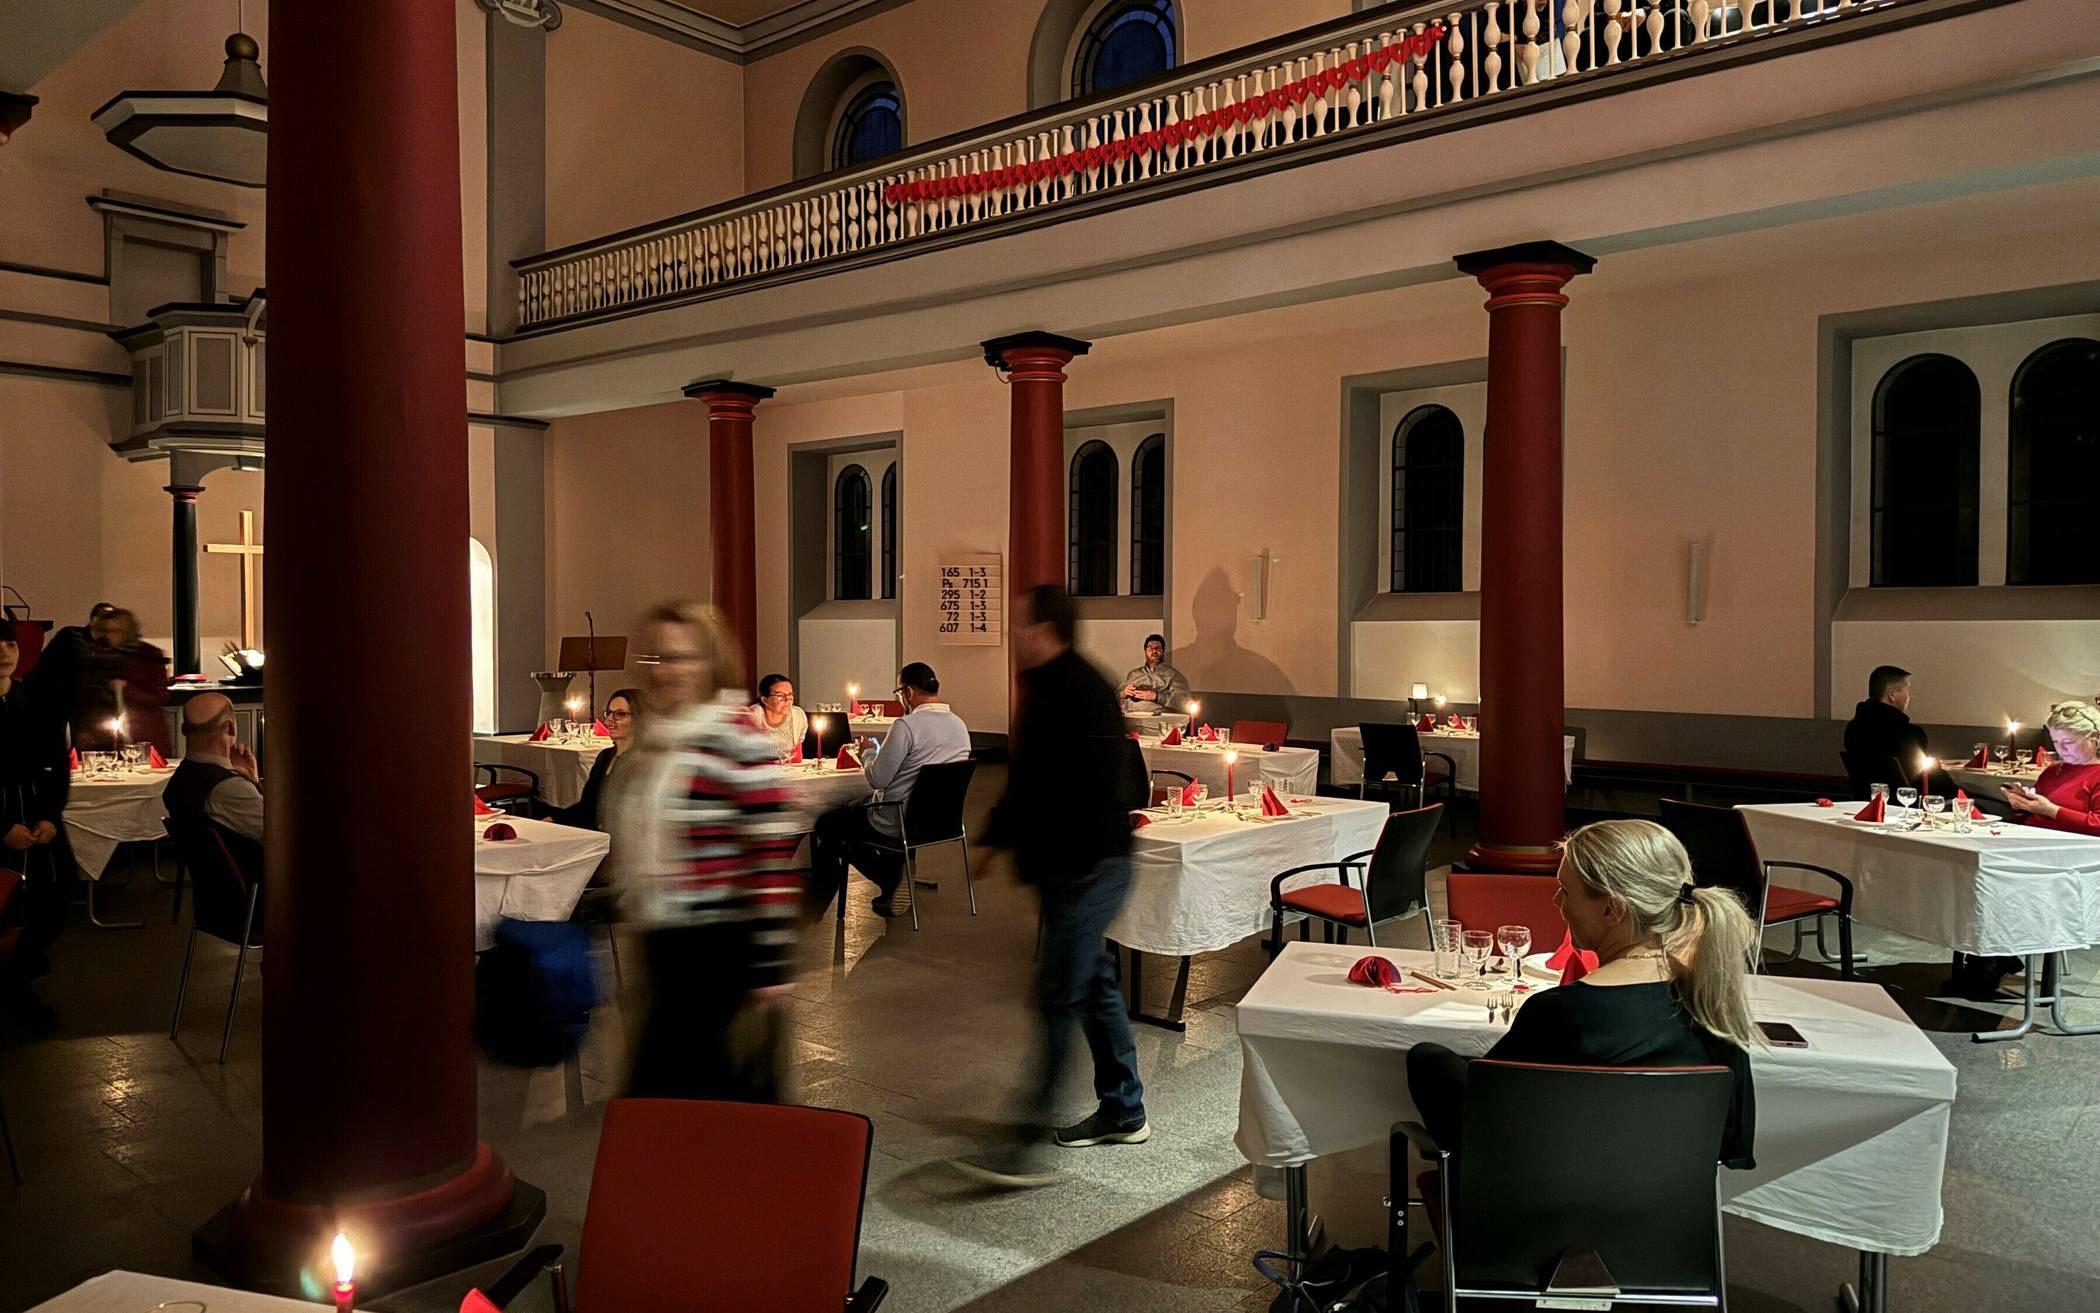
[[777, 714], [587, 813]]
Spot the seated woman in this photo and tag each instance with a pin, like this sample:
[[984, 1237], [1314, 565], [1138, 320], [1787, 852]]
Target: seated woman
[[1670, 990], [777, 714], [2067, 796], [588, 811]]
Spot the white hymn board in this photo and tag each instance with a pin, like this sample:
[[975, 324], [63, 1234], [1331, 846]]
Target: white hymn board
[[970, 599]]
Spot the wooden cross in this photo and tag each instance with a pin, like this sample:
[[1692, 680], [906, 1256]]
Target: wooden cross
[[250, 552]]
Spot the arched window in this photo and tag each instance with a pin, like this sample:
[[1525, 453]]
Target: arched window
[[1092, 524], [889, 532], [1429, 499], [1148, 517], [2054, 465], [481, 592], [850, 545], [1127, 41], [870, 127], [1928, 414]]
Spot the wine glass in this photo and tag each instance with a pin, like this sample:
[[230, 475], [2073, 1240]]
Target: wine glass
[[134, 758], [1477, 945], [1906, 797], [1516, 942], [1202, 793], [2026, 758], [1934, 805], [1999, 752]]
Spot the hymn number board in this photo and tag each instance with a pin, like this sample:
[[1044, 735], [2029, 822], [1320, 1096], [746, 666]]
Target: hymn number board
[[970, 597]]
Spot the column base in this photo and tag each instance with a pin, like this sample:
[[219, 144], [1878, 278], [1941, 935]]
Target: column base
[[1514, 858], [262, 1244]]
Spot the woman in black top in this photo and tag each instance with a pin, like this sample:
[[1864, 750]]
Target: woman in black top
[[588, 811], [1671, 988]]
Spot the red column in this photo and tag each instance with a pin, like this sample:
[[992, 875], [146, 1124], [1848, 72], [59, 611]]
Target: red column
[[369, 1107], [1033, 365], [1522, 686], [732, 496]]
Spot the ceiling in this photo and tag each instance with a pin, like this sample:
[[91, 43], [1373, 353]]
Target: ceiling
[[738, 29]]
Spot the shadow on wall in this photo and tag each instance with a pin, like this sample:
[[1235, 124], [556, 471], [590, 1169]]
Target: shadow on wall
[[1214, 661]]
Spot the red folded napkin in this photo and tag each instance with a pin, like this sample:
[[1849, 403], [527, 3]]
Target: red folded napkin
[[1138, 820], [1133, 735], [1825, 802], [856, 710], [795, 754], [598, 730], [476, 1302], [1188, 795], [154, 759], [481, 808], [1207, 734], [1961, 799], [1456, 722], [1981, 759], [1271, 805], [1877, 810], [1173, 738], [1374, 971], [73, 758], [1567, 953], [541, 735], [1426, 725], [499, 832], [847, 761], [2042, 759], [1976, 813]]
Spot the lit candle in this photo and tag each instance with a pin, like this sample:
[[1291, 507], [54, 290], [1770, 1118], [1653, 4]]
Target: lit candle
[[1232, 795], [1194, 707], [817, 723], [116, 734], [853, 699], [345, 1260], [1925, 765], [575, 708]]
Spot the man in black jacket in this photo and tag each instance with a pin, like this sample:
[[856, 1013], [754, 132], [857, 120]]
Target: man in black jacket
[[1073, 779], [1880, 728]]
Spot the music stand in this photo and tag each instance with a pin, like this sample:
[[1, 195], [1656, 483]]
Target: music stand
[[593, 654]]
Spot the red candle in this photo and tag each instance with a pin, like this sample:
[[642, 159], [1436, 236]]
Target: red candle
[[1232, 795]]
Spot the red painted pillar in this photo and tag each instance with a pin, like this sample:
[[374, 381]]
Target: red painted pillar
[[369, 1106], [1033, 365], [1522, 682], [731, 496]]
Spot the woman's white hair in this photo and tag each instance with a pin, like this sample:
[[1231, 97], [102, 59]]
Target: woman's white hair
[[2080, 718]]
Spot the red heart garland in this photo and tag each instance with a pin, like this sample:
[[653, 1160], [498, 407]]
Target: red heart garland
[[1155, 138], [1382, 58], [1357, 67], [1064, 166]]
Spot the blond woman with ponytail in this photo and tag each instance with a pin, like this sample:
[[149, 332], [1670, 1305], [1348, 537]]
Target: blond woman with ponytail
[[1671, 988]]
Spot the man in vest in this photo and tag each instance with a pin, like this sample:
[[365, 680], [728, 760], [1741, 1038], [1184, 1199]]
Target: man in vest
[[215, 784]]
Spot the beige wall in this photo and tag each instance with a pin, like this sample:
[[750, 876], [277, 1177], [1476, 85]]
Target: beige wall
[[638, 129], [626, 519]]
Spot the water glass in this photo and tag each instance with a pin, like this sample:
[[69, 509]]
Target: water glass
[[1224, 738], [1444, 942], [1254, 797], [1880, 791], [1173, 800], [1515, 941], [1477, 945]]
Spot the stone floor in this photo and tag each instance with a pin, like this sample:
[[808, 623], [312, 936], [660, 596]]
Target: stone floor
[[129, 1141]]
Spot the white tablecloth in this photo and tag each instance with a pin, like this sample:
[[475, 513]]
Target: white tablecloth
[[562, 767], [537, 876], [1293, 769], [100, 814], [1851, 1131], [1201, 883], [820, 786], [873, 727], [1980, 783], [1155, 724], [2024, 890], [1345, 747], [134, 1292]]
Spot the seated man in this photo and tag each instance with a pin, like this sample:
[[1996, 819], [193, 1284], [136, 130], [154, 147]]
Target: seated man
[[215, 785], [1155, 686], [928, 734], [1880, 728]]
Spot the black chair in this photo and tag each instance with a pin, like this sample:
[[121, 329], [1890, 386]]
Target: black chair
[[1724, 856], [1159, 791], [1396, 883], [1396, 750], [7, 1136], [508, 795], [1541, 1204], [224, 904], [932, 815], [1862, 773]]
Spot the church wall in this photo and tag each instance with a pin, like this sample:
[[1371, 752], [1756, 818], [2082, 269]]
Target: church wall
[[638, 129]]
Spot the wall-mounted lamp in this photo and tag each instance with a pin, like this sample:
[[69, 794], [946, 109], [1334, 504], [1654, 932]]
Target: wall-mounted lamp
[[1695, 554]]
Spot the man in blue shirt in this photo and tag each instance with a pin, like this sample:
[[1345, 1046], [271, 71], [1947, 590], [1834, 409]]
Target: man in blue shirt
[[928, 734]]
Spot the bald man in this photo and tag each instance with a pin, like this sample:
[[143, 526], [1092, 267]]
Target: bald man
[[216, 782]]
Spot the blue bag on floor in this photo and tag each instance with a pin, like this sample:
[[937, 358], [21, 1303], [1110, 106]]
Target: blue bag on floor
[[533, 993]]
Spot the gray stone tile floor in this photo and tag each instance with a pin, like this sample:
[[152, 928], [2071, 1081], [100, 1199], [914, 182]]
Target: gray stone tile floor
[[128, 1141]]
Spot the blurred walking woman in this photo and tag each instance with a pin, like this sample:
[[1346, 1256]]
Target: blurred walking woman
[[702, 836]]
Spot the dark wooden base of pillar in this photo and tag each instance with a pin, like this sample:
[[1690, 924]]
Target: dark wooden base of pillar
[[294, 1276], [1514, 860]]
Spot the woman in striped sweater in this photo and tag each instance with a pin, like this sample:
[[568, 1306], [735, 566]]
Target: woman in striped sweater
[[704, 834]]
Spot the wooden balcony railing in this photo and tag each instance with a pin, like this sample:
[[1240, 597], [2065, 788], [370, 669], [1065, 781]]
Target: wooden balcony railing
[[1289, 98]]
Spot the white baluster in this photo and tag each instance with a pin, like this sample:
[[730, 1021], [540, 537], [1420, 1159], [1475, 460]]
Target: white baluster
[[1455, 71], [1611, 31], [1574, 17], [1528, 49], [1491, 36]]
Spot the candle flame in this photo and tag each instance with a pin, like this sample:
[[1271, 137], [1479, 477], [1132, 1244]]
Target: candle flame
[[116, 727], [1928, 762], [1195, 707], [2012, 726], [345, 1258], [852, 690], [1231, 756], [1439, 699]]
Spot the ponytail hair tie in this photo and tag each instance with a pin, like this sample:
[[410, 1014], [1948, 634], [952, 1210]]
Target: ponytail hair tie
[[1684, 894]]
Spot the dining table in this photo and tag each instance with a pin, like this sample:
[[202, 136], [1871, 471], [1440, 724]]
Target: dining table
[[1296, 770], [120, 1291], [106, 811], [1996, 888], [1987, 782], [539, 875], [1852, 1129], [562, 765]]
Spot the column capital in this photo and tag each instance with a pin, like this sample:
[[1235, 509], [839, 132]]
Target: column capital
[[1032, 348], [14, 112], [1528, 273], [729, 392], [1478, 263], [183, 492]]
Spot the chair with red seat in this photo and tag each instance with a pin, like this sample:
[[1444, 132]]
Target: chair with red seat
[[1396, 750], [518, 796], [1259, 732], [1724, 856], [1396, 883], [1482, 900], [698, 1205]]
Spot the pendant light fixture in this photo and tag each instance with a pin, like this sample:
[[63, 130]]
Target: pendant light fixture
[[221, 134]]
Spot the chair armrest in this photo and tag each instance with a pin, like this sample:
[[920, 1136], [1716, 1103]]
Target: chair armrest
[[1844, 885], [869, 1297], [524, 1272], [1425, 1144], [1276, 885]]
